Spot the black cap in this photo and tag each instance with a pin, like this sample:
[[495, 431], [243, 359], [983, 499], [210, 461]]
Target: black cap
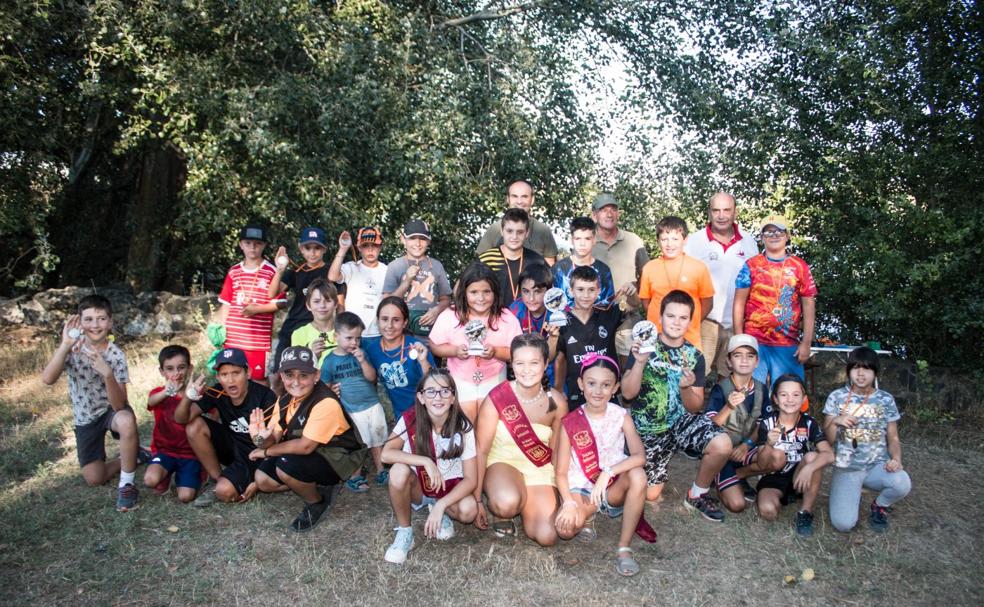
[[297, 357], [231, 356], [253, 232], [416, 227]]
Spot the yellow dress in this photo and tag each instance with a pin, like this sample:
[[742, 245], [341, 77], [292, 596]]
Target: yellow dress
[[504, 450]]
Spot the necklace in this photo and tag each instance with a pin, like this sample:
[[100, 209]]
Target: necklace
[[527, 401], [747, 388], [400, 352], [513, 288], [529, 322]]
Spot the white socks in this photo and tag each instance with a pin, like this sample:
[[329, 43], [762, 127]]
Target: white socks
[[696, 491], [126, 478]]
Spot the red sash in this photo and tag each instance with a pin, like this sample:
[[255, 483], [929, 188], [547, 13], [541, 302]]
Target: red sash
[[518, 425], [584, 447], [410, 419]]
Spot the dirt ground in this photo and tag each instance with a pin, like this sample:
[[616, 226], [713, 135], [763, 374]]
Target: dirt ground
[[63, 542]]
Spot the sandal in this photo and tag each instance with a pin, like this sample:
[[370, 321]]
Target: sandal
[[587, 533], [503, 527], [357, 484], [624, 563]]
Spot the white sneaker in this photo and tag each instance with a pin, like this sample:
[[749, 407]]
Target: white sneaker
[[401, 546], [446, 530]]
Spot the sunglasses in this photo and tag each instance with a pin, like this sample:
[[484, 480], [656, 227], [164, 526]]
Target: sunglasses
[[772, 233]]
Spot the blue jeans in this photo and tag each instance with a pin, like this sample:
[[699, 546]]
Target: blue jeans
[[775, 361]]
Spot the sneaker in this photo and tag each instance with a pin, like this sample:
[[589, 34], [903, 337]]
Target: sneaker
[[126, 498], [750, 493], [706, 505], [692, 454], [143, 455], [164, 486], [401, 546], [804, 523], [206, 497], [446, 530], [330, 493], [310, 516], [383, 477], [878, 520]]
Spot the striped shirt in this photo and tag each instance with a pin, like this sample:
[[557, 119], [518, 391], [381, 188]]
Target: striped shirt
[[240, 288]]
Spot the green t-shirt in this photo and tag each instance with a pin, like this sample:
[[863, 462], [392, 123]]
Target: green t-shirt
[[308, 334]]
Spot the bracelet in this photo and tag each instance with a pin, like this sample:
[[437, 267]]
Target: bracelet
[[568, 503], [265, 453]]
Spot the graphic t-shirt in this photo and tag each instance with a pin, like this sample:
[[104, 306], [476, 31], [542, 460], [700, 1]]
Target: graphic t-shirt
[[236, 419], [866, 444], [169, 436], [398, 372], [579, 338], [297, 285], [365, 291], [357, 392], [308, 334], [660, 276], [87, 388], [562, 280], [430, 283], [449, 468], [797, 443], [508, 271], [774, 308], [659, 404], [241, 287]]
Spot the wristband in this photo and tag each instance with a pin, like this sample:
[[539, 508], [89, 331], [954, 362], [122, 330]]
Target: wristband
[[749, 442]]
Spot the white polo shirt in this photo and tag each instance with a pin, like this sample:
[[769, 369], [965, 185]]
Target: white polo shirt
[[724, 261], [365, 290]]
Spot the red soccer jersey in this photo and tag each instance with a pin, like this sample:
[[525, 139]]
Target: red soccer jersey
[[773, 311], [240, 288], [169, 436]]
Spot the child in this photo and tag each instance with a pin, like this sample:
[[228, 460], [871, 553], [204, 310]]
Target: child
[[590, 328], [675, 270], [311, 244], [309, 444], [363, 278], [349, 368], [593, 471], [420, 280], [582, 241], [432, 450], [221, 440], [669, 384], [532, 315], [508, 259], [476, 297], [400, 359], [737, 403], [97, 378], [517, 430], [247, 308], [775, 295], [170, 451], [319, 334], [864, 422], [795, 438]]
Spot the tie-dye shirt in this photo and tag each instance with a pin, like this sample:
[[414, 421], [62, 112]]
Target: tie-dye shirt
[[774, 307]]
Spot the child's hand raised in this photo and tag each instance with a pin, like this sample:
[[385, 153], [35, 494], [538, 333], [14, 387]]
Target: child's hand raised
[[257, 427], [736, 399], [196, 389], [344, 240], [72, 331], [282, 260], [639, 356]]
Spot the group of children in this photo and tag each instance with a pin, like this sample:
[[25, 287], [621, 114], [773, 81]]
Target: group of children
[[532, 415]]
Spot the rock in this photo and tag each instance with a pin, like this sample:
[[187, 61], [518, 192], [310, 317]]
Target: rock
[[34, 313], [10, 312], [139, 324]]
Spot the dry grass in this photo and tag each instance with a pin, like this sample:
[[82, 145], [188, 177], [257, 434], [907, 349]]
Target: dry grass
[[64, 542]]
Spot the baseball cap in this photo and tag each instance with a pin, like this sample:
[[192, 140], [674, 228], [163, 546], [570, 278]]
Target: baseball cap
[[253, 232], [369, 235], [312, 236], [603, 200], [299, 358], [416, 227], [231, 356], [774, 220], [740, 340]]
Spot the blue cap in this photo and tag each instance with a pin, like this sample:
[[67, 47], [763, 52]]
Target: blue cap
[[312, 236], [231, 356]]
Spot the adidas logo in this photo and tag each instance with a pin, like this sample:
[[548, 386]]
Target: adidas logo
[[571, 340]]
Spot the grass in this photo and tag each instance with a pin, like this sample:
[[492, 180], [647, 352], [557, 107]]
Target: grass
[[64, 542]]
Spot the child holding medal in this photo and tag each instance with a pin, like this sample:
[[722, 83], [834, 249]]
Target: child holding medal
[[432, 452], [319, 334], [400, 359], [593, 471]]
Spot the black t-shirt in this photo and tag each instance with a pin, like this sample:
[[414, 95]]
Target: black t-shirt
[[504, 268], [236, 419], [577, 339], [297, 284], [795, 443]]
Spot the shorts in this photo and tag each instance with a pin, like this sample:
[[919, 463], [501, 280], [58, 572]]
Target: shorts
[[309, 468], [257, 360], [233, 454], [714, 344], [371, 424], [189, 470], [783, 482], [728, 476], [90, 439], [775, 361], [468, 391], [691, 431]]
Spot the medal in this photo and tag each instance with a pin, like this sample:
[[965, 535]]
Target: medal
[[413, 354], [74, 333]]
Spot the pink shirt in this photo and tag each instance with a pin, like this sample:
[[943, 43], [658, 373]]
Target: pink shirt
[[475, 370]]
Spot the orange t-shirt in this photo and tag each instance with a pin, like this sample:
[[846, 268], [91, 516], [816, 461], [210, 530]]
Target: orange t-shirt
[[686, 273], [325, 422]]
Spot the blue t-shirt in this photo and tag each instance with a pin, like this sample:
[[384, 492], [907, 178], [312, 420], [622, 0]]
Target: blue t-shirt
[[357, 392], [562, 280], [399, 373]]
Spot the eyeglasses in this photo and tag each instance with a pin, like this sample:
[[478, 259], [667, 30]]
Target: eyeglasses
[[772, 233], [432, 393]]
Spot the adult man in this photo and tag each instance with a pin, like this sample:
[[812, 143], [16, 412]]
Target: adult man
[[625, 254], [519, 195], [724, 249]]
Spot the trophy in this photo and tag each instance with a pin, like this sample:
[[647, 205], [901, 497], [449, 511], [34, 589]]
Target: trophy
[[645, 332], [555, 301], [475, 333]]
